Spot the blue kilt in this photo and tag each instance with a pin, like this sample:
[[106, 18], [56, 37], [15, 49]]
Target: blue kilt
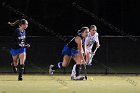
[[18, 51], [69, 51]]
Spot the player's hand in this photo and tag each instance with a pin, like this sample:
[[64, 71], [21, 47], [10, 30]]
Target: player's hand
[[22, 45], [83, 62], [97, 45], [92, 53], [84, 54], [9, 23], [28, 45]]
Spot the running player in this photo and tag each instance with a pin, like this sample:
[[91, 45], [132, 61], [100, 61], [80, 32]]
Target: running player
[[74, 50], [19, 44], [89, 41]]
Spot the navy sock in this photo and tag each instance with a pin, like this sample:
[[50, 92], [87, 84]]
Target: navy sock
[[57, 66], [21, 69], [77, 69]]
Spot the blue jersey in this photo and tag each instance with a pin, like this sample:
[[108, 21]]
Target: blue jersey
[[18, 37]]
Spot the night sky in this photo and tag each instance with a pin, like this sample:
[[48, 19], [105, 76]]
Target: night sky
[[113, 17]]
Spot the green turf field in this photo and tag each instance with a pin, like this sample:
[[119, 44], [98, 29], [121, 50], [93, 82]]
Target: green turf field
[[63, 84]]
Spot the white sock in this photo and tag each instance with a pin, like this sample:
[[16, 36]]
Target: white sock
[[73, 73]]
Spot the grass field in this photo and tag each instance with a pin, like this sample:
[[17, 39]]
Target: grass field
[[63, 84]]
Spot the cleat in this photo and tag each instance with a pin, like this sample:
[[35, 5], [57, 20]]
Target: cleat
[[73, 77], [14, 68], [20, 79], [50, 70], [77, 78]]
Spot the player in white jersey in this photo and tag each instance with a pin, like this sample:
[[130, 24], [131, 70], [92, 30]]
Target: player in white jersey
[[89, 41]]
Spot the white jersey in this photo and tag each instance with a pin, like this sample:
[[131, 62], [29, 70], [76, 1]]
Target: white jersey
[[90, 40]]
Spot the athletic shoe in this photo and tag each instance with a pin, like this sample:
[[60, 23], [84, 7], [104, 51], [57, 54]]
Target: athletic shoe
[[14, 68], [20, 79], [50, 70], [73, 77], [77, 78]]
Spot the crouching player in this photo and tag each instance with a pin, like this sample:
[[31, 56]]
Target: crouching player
[[73, 49]]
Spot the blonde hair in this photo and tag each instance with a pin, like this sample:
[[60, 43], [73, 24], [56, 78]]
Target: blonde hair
[[93, 26]]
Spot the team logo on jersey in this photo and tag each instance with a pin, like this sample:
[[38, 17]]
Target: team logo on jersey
[[21, 37]]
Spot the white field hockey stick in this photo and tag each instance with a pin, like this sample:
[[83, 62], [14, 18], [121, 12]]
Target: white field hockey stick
[[89, 62], [92, 55]]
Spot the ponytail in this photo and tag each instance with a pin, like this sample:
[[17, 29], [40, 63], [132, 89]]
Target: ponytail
[[19, 22], [14, 23]]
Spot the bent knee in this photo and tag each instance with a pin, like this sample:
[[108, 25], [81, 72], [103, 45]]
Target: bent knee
[[64, 65]]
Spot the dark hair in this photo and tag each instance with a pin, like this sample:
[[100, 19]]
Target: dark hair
[[82, 29], [19, 22], [93, 26]]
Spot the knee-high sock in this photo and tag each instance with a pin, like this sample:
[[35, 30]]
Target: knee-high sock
[[21, 69], [77, 69], [73, 73], [57, 66]]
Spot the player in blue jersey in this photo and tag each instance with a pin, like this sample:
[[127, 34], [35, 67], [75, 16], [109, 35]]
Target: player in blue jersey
[[19, 45], [73, 49], [89, 42]]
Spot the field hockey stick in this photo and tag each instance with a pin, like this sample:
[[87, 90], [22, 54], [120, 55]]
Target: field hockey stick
[[85, 71], [92, 55]]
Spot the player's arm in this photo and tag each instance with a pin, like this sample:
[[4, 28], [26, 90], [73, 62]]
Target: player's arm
[[84, 48], [97, 41]]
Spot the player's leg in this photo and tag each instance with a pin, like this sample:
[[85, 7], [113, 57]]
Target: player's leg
[[78, 60], [59, 65], [88, 56], [14, 64], [22, 57], [66, 60], [73, 73]]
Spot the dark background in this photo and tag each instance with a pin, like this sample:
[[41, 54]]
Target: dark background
[[119, 51], [61, 17], [116, 55]]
